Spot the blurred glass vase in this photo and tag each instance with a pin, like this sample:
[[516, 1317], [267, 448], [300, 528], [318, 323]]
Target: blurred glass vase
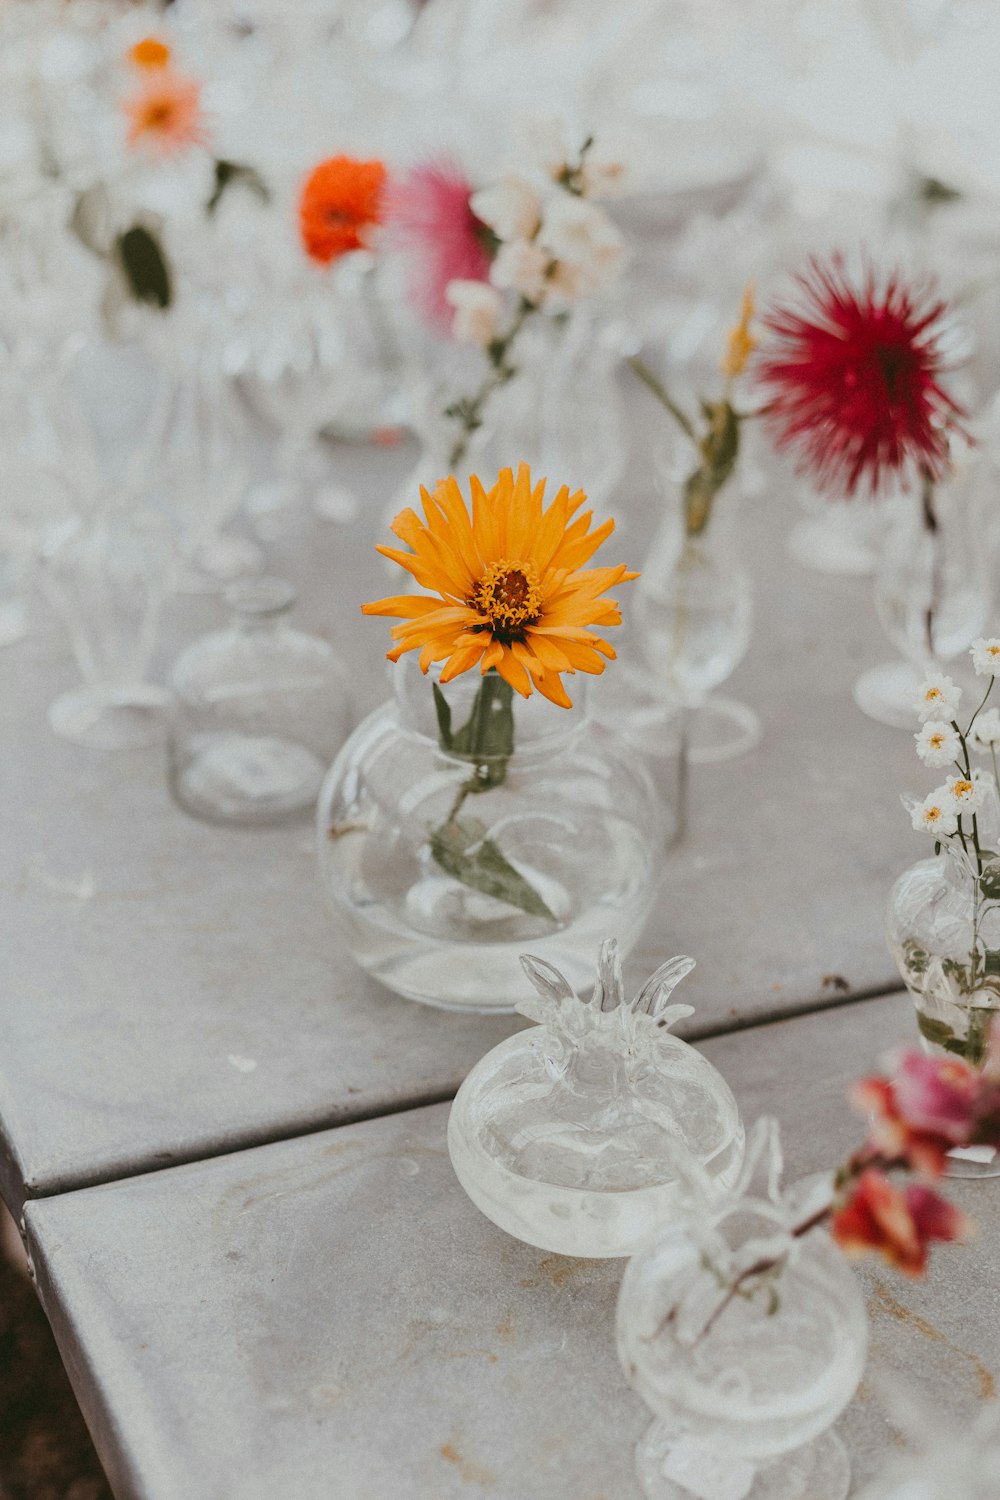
[[693, 615], [442, 865], [258, 710], [932, 586], [108, 575]]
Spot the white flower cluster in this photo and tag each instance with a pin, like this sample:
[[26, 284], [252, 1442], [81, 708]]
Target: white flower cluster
[[555, 245], [941, 743]]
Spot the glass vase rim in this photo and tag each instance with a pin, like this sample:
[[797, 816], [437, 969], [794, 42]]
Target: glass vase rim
[[560, 731]]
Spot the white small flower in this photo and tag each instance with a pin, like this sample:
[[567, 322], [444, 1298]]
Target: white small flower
[[938, 743], [521, 266], [511, 208], [986, 730], [965, 795], [477, 312], [583, 239], [939, 697], [935, 815], [986, 656]]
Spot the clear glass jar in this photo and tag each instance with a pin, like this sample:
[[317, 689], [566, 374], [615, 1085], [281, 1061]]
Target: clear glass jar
[[436, 890], [744, 1388], [258, 710]]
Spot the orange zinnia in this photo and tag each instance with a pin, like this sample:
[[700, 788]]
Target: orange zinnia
[[166, 113], [341, 199], [149, 53], [511, 591]]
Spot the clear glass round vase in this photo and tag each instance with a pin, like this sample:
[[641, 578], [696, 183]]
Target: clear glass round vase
[[440, 868], [567, 1135], [744, 1388], [258, 709], [943, 930]]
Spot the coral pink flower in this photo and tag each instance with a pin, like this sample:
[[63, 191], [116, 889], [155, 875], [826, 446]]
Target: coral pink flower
[[852, 379], [895, 1137], [165, 115], [429, 212], [931, 1104], [899, 1226]]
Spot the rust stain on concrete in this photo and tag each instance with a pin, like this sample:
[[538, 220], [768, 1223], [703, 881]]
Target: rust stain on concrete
[[470, 1471], [505, 1328], [882, 1300], [559, 1269]]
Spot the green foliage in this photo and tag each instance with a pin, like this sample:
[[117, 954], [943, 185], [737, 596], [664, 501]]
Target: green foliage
[[236, 173], [460, 845], [461, 848], [145, 266]]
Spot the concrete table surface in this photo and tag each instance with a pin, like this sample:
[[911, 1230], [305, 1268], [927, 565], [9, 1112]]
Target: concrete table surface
[[172, 989], [331, 1316]]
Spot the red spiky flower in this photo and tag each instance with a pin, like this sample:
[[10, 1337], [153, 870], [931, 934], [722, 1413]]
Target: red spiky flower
[[851, 379]]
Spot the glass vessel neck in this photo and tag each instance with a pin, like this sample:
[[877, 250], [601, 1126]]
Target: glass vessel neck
[[259, 605], [538, 724]]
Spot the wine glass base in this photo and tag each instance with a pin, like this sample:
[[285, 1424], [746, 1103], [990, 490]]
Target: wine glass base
[[973, 1161], [825, 547], [13, 622], [222, 561], [336, 503], [720, 729], [128, 720], [819, 1471], [889, 694]]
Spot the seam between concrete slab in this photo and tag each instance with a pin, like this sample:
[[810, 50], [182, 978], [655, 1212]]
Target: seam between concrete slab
[[71, 1183]]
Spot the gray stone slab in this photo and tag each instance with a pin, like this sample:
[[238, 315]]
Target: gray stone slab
[[332, 1317], [171, 989]]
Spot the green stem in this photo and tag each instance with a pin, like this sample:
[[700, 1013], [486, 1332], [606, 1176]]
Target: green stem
[[659, 390], [470, 412]]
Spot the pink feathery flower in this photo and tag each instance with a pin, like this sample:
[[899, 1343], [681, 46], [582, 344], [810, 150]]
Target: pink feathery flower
[[428, 212]]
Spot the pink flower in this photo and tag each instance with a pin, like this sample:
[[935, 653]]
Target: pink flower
[[428, 211], [900, 1226], [893, 1136], [938, 1095]]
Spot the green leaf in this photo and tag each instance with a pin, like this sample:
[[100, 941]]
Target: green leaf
[[461, 848], [228, 173], [443, 710], [972, 1047], [989, 883], [145, 266], [991, 961]]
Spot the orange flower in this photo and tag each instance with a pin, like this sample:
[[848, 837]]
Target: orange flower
[[898, 1225], [149, 53], [511, 590], [166, 114], [341, 200], [741, 342]]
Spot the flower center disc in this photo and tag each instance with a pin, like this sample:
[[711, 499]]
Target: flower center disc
[[508, 594]]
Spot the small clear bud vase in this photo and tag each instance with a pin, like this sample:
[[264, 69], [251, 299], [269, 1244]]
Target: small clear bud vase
[[932, 586], [459, 827], [746, 1343], [694, 612], [943, 930]]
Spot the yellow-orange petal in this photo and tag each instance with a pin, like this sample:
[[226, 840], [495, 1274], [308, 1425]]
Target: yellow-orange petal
[[149, 53]]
